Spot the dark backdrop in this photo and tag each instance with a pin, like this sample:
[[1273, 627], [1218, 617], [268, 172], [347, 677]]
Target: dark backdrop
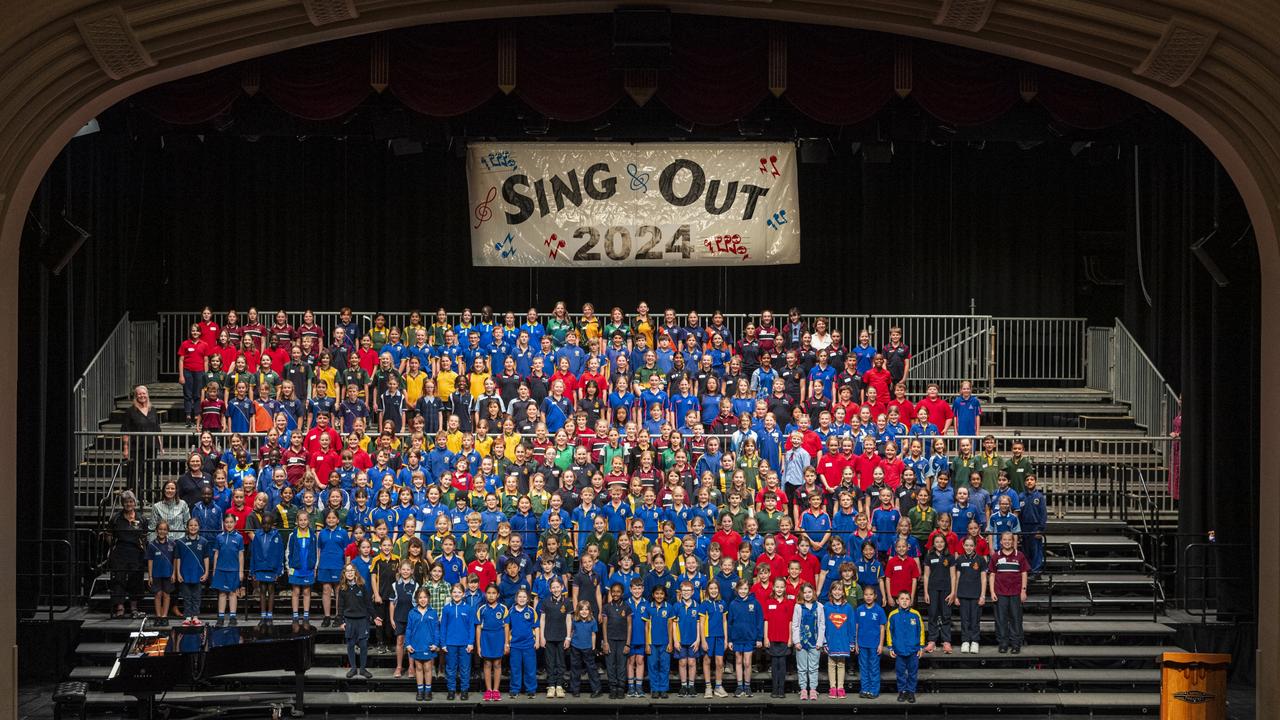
[[219, 220], [327, 222]]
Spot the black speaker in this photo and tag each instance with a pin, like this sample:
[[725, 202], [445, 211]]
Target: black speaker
[[641, 39]]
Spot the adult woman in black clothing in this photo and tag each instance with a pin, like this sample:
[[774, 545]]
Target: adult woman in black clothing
[[355, 606], [137, 451], [191, 484], [128, 556]]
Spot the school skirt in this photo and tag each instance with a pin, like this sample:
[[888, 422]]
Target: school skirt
[[225, 580]]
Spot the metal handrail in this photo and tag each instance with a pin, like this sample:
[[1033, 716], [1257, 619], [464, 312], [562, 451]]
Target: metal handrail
[[1185, 568]]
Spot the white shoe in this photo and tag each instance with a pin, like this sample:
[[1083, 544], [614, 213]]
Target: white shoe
[[551, 692], [559, 692], [964, 648], [973, 648]]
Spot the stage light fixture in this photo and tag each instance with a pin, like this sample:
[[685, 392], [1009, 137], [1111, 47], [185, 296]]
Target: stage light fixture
[[878, 153], [404, 146]]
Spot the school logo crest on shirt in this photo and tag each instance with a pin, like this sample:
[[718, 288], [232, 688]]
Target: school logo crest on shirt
[[837, 619], [974, 565], [751, 607]]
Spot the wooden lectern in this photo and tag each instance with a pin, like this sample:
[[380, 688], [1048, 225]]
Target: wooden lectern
[[1193, 686]]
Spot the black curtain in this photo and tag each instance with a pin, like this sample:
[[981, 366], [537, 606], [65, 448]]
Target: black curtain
[[182, 222], [327, 222]]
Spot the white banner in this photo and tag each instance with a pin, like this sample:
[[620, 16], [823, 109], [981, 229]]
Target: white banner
[[633, 205]]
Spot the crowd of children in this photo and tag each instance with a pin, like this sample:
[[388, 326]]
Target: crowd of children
[[638, 491]]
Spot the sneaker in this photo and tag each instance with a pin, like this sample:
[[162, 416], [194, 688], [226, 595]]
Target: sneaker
[[1017, 649], [911, 698], [196, 622], [1003, 650], [902, 697], [326, 622], [559, 691], [737, 693], [426, 696], [965, 648], [233, 622], [706, 693], [364, 673], [597, 694], [720, 692], [418, 696], [450, 696], [531, 695], [946, 648], [464, 695], [973, 648], [551, 693]]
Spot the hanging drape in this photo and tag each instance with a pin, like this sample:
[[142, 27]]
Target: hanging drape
[[718, 73]]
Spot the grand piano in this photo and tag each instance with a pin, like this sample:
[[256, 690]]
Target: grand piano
[[152, 663]]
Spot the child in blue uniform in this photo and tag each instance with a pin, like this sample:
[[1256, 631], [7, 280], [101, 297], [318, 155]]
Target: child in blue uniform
[[870, 569], [525, 638], [869, 627], [161, 571], [582, 650], [192, 569], [639, 639], [493, 640], [228, 568], [688, 638], [301, 557], [840, 638], [266, 563], [715, 630], [659, 618], [332, 541], [745, 619], [905, 635], [422, 641], [400, 598], [458, 631]]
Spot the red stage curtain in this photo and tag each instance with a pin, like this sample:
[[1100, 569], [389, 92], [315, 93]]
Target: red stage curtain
[[719, 69], [319, 82], [718, 74], [445, 70], [196, 99], [836, 76], [1083, 103], [961, 86], [563, 67]]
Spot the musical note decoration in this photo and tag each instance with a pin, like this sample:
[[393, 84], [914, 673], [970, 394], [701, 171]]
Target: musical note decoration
[[769, 166], [639, 180], [554, 244], [778, 220], [483, 212], [506, 248]]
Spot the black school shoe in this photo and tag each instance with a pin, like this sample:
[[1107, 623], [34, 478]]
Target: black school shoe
[[597, 694], [1003, 650], [1016, 650], [911, 698], [462, 695], [902, 697], [450, 696]]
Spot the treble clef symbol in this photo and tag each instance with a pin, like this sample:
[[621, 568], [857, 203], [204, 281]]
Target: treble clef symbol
[[483, 213], [639, 180]]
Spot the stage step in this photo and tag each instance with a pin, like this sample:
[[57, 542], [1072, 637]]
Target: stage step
[[1038, 704]]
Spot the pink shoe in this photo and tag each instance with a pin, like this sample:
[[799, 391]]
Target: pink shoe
[[946, 648], [841, 693], [930, 647]]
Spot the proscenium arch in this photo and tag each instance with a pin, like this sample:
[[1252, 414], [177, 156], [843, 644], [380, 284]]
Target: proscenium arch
[[1212, 66]]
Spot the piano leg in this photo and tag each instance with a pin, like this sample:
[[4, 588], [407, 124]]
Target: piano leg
[[146, 706], [299, 677]]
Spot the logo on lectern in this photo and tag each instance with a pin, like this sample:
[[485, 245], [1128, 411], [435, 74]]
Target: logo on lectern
[[1194, 697]]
